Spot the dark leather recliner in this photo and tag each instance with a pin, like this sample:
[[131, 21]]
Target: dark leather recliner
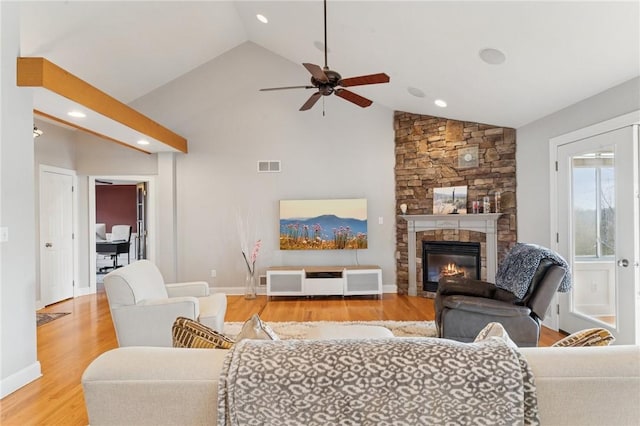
[[464, 306]]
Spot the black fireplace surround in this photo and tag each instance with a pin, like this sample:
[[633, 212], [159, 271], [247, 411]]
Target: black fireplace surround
[[448, 258]]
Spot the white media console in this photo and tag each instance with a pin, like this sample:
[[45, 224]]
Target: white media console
[[324, 280]]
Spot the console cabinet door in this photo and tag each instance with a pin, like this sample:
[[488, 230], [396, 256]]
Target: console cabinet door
[[285, 283], [363, 281]]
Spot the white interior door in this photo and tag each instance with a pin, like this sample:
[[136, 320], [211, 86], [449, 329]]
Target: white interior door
[[56, 236], [598, 232]]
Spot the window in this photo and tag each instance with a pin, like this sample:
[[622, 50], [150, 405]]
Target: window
[[594, 205]]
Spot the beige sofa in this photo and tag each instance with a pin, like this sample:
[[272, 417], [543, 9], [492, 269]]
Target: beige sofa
[[152, 385]]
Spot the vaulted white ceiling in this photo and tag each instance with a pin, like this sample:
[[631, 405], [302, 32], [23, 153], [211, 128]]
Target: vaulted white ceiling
[[557, 53]]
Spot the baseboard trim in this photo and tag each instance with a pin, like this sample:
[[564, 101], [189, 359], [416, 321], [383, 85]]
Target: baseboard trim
[[83, 291], [236, 291], [19, 379], [390, 288]]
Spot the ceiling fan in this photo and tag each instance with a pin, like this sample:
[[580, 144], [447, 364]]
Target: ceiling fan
[[328, 81]]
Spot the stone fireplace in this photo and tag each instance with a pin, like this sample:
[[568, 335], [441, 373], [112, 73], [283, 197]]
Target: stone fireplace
[[442, 259], [428, 155]]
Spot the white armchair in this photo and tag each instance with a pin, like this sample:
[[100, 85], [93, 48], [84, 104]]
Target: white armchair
[[143, 308]]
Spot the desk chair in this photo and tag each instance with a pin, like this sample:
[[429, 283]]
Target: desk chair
[[119, 243], [121, 233]]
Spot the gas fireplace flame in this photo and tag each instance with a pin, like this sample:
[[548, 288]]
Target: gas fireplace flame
[[451, 270]]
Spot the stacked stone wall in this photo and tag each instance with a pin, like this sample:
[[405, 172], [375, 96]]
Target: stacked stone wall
[[427, 150]]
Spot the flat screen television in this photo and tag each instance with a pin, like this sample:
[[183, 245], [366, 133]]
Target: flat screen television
[[337, 224]]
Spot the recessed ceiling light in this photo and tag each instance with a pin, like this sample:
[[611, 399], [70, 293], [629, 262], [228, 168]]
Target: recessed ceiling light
[[415, 92], [492, 56], [77, 114], [143, 142], [262, 18], [440, 103]]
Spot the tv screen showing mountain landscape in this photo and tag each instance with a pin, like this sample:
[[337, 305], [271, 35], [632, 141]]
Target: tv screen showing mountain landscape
[[323, 224]]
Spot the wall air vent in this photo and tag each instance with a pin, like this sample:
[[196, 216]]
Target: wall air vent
[[269, 166]]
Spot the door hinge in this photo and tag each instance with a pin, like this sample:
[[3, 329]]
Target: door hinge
[[72, 189], [73, 236], [558, 309], [556, 166], [73, 283], [557, 237]]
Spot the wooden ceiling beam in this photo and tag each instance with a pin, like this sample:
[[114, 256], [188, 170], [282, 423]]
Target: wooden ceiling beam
[[39, 72]]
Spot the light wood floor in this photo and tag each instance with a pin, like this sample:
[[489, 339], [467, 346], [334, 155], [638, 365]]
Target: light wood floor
[[67, 345]]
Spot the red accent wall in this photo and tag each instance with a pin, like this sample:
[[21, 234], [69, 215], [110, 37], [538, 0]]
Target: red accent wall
[[116, 205]]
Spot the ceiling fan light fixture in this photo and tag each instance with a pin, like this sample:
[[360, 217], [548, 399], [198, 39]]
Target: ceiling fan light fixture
[[262, 18], [492, 56], [414, 91], [440, 103]]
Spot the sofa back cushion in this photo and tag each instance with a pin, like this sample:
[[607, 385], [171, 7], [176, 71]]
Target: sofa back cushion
[[135, 283]]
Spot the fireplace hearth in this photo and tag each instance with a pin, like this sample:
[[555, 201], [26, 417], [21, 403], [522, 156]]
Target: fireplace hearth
[[448, 259]]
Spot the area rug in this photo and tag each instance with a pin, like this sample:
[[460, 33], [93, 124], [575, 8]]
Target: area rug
[[299, 330], [43, 318]]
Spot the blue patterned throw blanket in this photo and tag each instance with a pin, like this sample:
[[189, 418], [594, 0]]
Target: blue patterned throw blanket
[[394, 381], [518, 268]]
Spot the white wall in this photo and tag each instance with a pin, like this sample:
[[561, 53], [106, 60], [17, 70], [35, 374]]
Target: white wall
[[98, 157], [18, 363], [230, 125], [532, 154], [88, 155], [54, 148]]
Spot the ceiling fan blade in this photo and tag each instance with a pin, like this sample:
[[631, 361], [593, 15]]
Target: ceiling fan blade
[[316, 72], [364, 79], [311, 101], [286, 88], [352, 97]]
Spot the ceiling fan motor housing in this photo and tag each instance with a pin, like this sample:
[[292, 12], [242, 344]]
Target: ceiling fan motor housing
[[326, 87]]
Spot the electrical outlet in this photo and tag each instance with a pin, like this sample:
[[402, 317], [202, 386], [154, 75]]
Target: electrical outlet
[[380, 220], [214, 273]]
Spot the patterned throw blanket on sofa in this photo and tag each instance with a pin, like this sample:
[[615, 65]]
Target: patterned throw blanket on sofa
[[399, 381]]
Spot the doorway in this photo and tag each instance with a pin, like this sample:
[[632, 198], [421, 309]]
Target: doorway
[[142, 222], [597, 230], [57, 234]]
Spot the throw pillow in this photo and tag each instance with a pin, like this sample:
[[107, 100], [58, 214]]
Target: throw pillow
[[588, 337], [188, 333], [495, 329], [256, 329]]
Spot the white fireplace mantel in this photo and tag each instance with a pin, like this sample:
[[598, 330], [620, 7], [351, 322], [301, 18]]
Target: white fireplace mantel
[[484, 223]]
